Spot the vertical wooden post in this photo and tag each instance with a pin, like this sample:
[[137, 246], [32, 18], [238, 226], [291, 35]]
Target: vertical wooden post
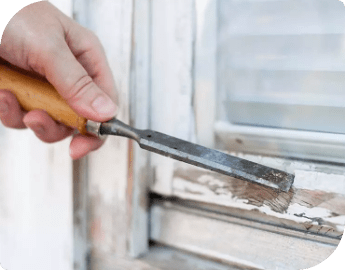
[[140, 171], [205, 71], [108, 168], [171, 78]]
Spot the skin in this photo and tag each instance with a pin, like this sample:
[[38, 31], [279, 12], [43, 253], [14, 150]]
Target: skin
[[43, 40]]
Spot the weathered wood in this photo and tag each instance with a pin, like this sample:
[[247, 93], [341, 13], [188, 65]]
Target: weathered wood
[[117, 174], [139, 171], [171, 78], [108, 167], [315, 203], [255, 220], [232, 242], [107, 171], [160, 48], [81, 244]]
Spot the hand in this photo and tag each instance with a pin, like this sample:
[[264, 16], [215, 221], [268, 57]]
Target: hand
[[42, 39]]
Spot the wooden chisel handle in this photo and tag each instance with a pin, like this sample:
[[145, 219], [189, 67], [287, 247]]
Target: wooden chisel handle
[[34, 94]]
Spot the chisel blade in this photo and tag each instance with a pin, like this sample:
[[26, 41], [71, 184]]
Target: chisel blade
[[202, 157]]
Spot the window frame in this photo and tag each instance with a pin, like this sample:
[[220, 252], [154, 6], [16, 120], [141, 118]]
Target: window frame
[[120, 176]]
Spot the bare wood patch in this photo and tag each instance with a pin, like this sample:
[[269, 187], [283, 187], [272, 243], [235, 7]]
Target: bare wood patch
[[318, 211], [222, 185]]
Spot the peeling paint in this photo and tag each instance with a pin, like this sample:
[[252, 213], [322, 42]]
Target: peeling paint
[[303, 204]]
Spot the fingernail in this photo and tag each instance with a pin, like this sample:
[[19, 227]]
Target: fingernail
[[37, 128], [3, 106], [104, 106]]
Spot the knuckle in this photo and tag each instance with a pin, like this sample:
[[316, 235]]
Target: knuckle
[[80, 88], [9, 114], [90, 41], [93, 39]]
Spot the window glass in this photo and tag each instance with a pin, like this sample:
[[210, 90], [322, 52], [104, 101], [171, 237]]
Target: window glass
[[282, 63]]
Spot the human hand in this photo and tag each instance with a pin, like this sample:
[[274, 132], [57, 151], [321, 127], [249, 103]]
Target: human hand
[[40, 38]]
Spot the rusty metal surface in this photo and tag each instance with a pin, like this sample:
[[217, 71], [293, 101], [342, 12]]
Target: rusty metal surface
[[201, 156]]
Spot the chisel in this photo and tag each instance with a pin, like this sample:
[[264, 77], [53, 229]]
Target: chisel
[[33, 93]]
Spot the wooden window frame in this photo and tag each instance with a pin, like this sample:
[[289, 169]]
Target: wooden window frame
[[119, 177]]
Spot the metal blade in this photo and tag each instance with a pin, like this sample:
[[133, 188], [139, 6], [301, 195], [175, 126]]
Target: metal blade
[[202, 157]]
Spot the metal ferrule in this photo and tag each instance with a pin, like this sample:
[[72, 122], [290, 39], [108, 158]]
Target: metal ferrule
[[93, 128]]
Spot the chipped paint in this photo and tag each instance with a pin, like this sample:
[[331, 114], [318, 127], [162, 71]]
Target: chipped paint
[[317, 200]]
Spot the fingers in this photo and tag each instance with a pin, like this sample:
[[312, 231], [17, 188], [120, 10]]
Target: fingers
[[75, 85], [82, 145], [11, 114], [73, 61], [45, 128], [90, 53]]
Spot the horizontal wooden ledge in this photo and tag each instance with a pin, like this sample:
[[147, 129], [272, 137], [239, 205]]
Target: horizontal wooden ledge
[[314, 204], [230, 215], [158, 257], [232, 243]]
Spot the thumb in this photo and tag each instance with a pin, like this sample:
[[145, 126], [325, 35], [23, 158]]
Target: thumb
[[75, 85]]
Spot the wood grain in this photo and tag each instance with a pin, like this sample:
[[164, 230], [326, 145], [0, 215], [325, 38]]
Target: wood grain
[[315, 203]]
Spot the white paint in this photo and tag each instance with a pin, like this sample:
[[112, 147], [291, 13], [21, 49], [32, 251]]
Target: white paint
[[182, 227], [192, 191], [205, 70], [108, 167], [184, 189], [313, 180], [138, 238], [339, 221], [308, 177], [171, 78], [37, 206]]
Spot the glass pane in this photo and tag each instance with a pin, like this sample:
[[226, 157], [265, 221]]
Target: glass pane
[[282, 63]]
